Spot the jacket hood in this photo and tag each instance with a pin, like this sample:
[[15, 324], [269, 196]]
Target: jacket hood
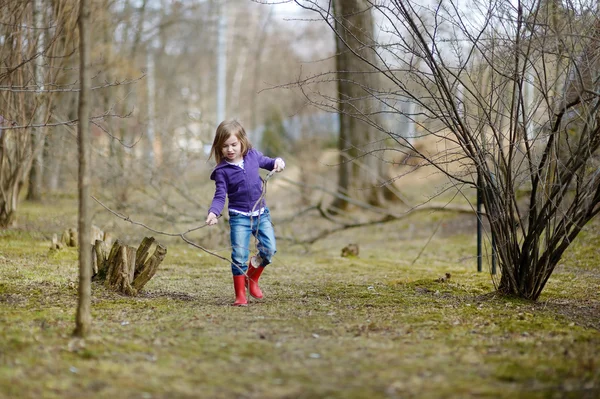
[[221, 165]]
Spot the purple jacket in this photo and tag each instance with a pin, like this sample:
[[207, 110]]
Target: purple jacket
[[242, 186]]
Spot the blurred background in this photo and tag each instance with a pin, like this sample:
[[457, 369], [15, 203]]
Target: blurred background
[[164, 74]]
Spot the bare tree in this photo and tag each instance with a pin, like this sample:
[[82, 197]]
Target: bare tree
[[35, 41], [15, 143], [512, 91], [83, 319]]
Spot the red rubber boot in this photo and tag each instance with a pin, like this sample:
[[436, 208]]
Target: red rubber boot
[[239, 284], [253, 276]]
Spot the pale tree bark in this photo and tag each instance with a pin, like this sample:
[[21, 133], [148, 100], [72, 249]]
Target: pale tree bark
[[54, 158], [258, 53], [34, 190], [84, 317]]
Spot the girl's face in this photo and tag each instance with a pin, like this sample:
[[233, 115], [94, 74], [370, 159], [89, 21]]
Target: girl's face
[[232, 149]]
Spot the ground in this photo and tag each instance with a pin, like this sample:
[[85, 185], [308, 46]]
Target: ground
[[380, 325]]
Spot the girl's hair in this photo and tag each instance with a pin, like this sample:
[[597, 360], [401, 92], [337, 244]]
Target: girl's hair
[[224, 131]]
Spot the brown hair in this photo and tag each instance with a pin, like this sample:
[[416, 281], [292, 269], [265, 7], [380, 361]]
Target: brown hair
[[224, 131]]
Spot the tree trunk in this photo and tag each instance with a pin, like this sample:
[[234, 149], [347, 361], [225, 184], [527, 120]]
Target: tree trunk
[[84, 317], [125, 269], [34, 189], [54, 158], [359, 170]]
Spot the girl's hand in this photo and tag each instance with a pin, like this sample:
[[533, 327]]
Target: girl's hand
[[211, 219], [279, 165]]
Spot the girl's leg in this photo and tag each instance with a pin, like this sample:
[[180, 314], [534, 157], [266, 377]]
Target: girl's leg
[[240, 231], [265, 234], [240, 239]]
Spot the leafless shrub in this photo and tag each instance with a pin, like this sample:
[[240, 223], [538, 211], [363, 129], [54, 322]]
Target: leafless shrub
[[511, 89]]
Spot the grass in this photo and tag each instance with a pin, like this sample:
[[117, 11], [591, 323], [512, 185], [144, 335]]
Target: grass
[[379, 325]]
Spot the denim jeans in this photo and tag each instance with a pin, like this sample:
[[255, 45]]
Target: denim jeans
[[241, 228]]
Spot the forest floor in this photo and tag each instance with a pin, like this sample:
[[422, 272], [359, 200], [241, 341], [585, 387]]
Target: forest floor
[[379, 325]]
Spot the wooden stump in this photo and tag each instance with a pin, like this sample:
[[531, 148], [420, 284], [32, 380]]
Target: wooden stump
[[55, 244], [126, 269], [70, 237]]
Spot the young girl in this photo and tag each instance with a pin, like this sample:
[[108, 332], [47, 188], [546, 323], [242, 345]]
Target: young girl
[[236, 177]]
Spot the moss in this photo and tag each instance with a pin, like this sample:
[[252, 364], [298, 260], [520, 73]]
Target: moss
[[66, 254], [380, 325]]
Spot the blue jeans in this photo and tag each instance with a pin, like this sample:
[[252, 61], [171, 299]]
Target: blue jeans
[[241, 227]]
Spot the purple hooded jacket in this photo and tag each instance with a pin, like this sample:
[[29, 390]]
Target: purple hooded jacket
[[243, 187]]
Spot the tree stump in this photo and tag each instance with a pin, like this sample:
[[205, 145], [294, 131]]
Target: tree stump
[[126, 269], [55, 244], [70, 237]]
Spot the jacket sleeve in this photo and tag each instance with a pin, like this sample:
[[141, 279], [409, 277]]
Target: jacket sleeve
[[218, 201], [265, 162]]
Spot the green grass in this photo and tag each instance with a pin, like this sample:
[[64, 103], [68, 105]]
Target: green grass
[[379, 325]]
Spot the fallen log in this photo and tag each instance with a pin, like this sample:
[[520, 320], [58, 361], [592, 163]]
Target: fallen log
[[126, 269]]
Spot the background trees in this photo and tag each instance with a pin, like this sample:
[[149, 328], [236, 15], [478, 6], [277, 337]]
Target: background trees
[[154, 84]]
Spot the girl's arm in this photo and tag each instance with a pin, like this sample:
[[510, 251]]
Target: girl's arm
[[218, 202], [269, 164]]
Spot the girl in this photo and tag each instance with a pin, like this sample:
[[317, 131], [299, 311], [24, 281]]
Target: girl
[[236, 177]]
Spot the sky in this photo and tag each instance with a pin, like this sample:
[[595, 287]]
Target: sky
[[296, 19], [287, 9]]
